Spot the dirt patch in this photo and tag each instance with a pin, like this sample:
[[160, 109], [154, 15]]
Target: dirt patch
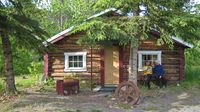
[[46, 100]]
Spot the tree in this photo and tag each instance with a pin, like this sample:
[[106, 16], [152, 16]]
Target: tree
[[167, 17], [61, 14], [16, 22]]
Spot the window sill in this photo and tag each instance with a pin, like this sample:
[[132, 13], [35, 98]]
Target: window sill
[[140, 70], [75, 70]]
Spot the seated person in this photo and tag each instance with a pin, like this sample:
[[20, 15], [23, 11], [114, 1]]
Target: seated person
[[147, 73], [159, 75]]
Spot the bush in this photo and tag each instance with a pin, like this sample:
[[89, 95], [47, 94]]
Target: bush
[[192, 73], [50, 81], [35, 69], [192, 77]]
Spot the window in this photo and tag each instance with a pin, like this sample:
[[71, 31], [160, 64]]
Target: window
[[75, 61], [151, 56]]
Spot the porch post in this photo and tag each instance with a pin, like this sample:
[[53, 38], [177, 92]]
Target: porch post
[[91, 67], [46, 65], [121, 68], [102, 66]]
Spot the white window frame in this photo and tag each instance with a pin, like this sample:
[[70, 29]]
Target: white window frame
[[75, 69], [140, 53]]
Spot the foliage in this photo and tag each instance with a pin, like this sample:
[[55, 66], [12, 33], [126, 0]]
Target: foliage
[[192, 68], [169, 18], [17, 19], [2, 85], [61, 14], [35, 69], [192, 77], [50, 81], [192, 55]]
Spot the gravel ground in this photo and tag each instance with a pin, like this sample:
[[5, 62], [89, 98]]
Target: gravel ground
[[175, 99]]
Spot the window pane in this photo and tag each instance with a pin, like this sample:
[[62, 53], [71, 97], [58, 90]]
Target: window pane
[[144, 57], [80, 58], [75, 64], [148, 57], [70, 58], [75, 58], [71, 64], [80, 64], [155, 57]]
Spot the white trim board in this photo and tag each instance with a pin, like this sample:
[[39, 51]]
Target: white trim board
[[140, 53], [76, 69]]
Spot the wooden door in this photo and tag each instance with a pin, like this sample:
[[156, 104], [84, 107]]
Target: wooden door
[[111, 64]]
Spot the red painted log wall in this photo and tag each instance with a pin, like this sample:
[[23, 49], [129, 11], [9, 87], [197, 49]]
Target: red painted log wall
[[102, 66], [46, 65]]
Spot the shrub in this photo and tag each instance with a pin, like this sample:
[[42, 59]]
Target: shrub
[[50, 81], [192, 76], [36, 69]]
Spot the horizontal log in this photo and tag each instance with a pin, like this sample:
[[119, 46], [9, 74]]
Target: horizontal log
[[75, 73], [94, 80], [171, 66], [176, 60], [59, 67]]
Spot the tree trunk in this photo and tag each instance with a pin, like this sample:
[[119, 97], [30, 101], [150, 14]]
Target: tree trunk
[[8, 63], [133, 64], [133, 56]]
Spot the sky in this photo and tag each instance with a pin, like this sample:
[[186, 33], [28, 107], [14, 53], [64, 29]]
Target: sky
[[198, 1]]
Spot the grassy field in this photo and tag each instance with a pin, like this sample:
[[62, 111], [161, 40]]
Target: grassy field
[[192, 77], [21, 82]]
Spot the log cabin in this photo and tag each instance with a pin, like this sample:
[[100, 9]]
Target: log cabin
[[108, 65]]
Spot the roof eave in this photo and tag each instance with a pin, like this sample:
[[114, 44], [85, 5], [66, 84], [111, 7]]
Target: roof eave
[[180, 41]]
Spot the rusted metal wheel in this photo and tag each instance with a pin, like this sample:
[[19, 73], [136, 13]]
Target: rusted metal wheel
[[127, 92]]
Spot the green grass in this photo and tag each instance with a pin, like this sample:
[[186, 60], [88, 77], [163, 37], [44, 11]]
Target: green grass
[[21, 83], [192, 77], [2, 84], [70, 110], [124, 106], [151, 109], [95, 110]]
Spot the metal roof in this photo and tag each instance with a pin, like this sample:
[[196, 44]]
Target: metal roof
[[181, 41]]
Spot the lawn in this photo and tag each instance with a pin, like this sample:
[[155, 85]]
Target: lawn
[[192, 77], [21, 82]]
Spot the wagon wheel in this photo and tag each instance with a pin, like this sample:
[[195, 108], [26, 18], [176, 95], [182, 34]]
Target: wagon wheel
[[127, 92]]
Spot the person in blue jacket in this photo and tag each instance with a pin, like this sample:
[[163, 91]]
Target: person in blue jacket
[[159, 75]]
